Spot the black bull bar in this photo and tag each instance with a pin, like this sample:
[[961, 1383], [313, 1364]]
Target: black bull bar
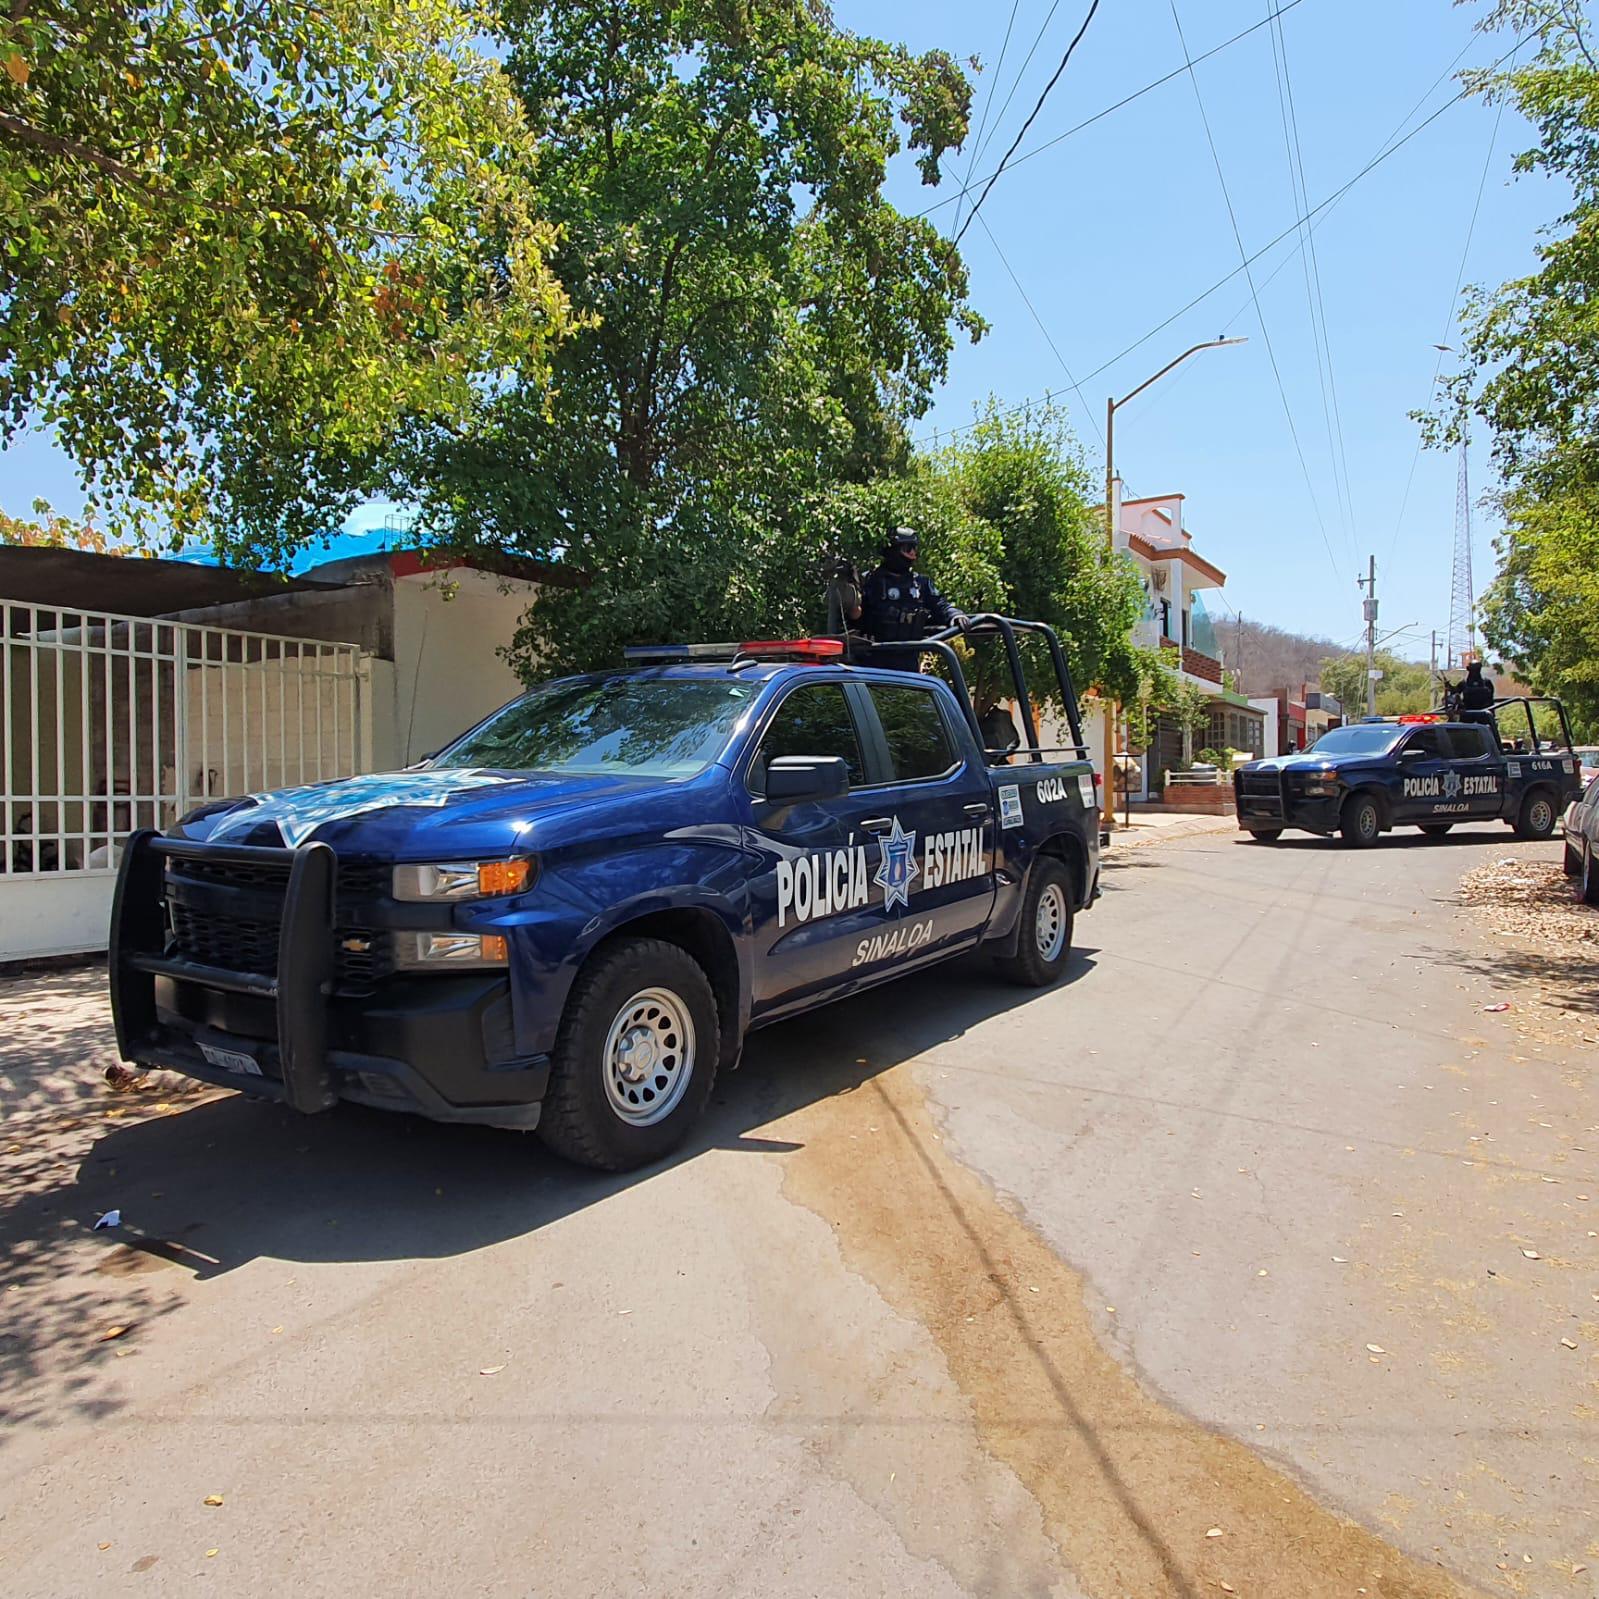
[[305, 966]]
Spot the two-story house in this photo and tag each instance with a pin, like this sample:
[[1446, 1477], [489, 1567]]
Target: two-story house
[[1175, 577]]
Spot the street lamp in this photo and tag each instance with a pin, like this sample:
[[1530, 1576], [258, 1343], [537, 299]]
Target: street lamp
[[1111, 407]]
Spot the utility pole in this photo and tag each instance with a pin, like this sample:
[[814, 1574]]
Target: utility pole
[[1112, 405], [1433, 679], [1369, 584]]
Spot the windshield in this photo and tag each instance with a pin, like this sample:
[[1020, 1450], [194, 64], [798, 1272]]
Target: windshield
[[1376, 738], [628, 726]]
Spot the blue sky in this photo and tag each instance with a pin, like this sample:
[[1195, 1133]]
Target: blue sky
[[1114, 228]]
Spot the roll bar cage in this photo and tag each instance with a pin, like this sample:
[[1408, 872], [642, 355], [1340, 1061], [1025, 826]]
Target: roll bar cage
[[863, 652]]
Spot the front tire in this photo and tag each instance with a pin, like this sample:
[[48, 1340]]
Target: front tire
[[1436, 829], [1588, 883], [1360, 822], [1537, 818], [635, 1057], [1265, 835], [1046, 931]]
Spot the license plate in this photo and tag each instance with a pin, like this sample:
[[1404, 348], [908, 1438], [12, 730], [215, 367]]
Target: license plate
[[231, 1060]]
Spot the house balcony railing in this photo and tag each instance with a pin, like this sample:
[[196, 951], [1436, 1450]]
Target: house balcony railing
[[1193, 662]]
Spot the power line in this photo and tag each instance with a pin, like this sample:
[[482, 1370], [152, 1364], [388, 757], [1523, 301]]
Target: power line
[[1332, 199], [1260, 313], [1315, 303], [1016, 82], [1398, 128], [1070, 48], [1099, 116], [1054, 350], [1438, 365], [988, 103]]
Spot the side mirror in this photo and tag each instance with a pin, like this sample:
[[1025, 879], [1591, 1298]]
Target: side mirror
[[795, 779]]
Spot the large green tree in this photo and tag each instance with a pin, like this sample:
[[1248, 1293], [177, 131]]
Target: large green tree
[[1404, 685], [1531, 372], [762, 323], [1008, 524], [238, 239], [1021, 476]]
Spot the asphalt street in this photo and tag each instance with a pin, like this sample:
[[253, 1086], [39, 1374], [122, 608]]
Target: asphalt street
[[1258, 1257]]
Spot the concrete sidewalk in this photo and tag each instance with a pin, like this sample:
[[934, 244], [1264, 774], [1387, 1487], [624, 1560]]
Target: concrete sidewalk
[[1156, 827]]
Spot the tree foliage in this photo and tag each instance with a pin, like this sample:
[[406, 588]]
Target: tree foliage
[[1021, 477], [1404, 685], [50, 530], [1531, 373], [238, 240], [762, 323], [1007, 525]]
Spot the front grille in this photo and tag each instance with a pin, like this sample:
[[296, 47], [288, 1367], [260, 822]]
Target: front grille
[[364, 959], [362, 879], [352, 880], [247, 940], [232, 873], [224, 941]]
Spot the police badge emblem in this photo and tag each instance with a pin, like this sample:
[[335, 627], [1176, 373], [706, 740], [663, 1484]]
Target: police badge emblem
[[898, 869]]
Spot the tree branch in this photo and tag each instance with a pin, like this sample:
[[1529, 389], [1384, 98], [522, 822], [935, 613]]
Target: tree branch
[[26, 133]]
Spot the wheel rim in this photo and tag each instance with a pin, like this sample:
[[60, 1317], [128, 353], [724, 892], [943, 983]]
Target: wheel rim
[[1050, 925], [649, 1057], [1366, 821], [1541, 816]]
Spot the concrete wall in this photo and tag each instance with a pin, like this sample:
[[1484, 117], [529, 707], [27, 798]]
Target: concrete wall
[[1273, 727], [448, 630], [360, 612]]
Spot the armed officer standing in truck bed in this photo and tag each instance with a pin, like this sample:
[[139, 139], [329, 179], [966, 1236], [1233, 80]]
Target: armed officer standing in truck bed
[[899, 604]]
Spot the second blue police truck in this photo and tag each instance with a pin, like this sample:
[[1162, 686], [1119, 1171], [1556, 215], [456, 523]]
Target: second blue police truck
[[570, 918], [1427, 771]]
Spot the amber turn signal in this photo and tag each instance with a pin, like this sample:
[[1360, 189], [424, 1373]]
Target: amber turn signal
[[502, 877]]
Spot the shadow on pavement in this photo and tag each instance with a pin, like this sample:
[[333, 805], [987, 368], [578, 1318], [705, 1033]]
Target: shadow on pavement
[[224, 1181], [1403, 838], [1569, 981]]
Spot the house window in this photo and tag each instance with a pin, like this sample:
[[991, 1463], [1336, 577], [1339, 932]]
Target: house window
[[1185, 629]]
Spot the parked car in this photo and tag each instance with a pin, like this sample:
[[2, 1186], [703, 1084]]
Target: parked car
[[1588, 754], [1582, 842]]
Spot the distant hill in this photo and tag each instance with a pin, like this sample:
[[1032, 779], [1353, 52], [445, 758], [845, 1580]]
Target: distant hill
[[1268, 658]]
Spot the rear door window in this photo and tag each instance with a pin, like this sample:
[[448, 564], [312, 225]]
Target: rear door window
[[1430, 740], [1469, 743], [919, 744]]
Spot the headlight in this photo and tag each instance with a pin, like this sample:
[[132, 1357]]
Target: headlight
[[1320, 787], [432, 951], [457, 880]]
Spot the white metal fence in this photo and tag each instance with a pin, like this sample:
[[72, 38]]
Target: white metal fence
[[111, 723]]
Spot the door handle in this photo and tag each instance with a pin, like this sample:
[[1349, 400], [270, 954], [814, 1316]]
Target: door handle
[[978, 809], [877, 824]]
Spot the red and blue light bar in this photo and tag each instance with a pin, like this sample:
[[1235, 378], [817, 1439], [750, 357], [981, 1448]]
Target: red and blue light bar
[[766, 649]]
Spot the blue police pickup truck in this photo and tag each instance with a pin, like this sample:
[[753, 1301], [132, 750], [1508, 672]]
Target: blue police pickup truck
[[570, 918], [1424, 771]]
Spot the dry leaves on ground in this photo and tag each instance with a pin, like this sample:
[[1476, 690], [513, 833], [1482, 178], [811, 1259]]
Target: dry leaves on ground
[[1531, 899]]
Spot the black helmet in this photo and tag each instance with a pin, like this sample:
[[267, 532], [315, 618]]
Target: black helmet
[[1474, 669], [903, 539]]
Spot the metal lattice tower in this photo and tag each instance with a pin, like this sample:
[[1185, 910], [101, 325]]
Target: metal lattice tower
[[1462, 602]]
